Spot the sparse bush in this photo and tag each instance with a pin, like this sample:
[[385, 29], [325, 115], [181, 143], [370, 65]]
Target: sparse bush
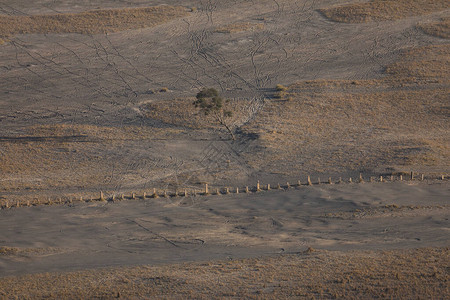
[[280, 88], [210, 103], [280, 94]]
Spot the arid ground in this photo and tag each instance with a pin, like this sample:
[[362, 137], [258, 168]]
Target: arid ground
[[97, 97]]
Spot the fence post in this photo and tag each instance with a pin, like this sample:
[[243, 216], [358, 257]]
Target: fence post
[[268, 186], [350, 180], [288, 185], [361, 179], [257, 187], [381, 178], [206, 189], [309, 180], [246, 189], [102, 197], [299, 183], [330, 181], [237, 190], [412, 175]]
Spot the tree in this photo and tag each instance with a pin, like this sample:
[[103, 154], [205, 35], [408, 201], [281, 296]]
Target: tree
[[210, 103]]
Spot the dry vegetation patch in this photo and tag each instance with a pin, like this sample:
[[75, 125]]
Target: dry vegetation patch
[[14, 251], [401, 274], [182, 112], [240, 26], [439, 29], [90, 22], [330, 125], [382, 10], [72, 156]]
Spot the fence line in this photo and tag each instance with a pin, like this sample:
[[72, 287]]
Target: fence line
[[156, 193]]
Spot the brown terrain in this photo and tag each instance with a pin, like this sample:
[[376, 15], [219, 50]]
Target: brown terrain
[[97, 96]]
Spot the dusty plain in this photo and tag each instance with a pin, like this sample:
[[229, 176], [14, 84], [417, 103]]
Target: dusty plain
[[97, 96]]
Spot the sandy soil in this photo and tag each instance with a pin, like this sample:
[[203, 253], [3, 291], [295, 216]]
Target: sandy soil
[[311, 274], [80, 113], [73, 118], [156, 231]]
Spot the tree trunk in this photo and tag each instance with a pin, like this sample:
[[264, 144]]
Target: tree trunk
[[224, 124]]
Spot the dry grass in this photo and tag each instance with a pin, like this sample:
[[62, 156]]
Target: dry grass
[[400, 121], [90, 22], [14, 251], [239, 27], [337, 126], [382, 10], [182, 112], [62, 157], [439, 29], [399, 274]]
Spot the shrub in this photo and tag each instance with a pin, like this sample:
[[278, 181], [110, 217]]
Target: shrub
[[280, 88]]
